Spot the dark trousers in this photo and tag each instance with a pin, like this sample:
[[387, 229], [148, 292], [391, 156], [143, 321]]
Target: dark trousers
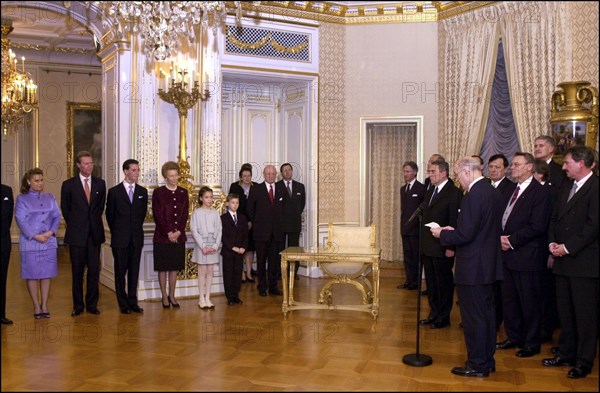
[[267, 250], [577, 301], [233, 265], [479, 325], [410, 248], [291, 239], [521, 300], [549, 312], [6, 248], [498, 303], [127, 265], [82, 257], [440, 286]]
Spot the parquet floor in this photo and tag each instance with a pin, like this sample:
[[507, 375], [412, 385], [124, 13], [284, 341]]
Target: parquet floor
[[245, 348]]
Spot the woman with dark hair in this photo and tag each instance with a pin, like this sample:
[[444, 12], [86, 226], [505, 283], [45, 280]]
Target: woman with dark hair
[[38, 217], [242, 189], [170, 208]]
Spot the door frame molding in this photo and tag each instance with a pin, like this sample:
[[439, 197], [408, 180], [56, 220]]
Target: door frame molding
[[365, 154]]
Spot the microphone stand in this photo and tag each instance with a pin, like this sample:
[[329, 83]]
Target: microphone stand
[[417, 359]]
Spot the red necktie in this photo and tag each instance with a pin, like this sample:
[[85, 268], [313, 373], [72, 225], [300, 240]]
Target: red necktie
[[271, 197]]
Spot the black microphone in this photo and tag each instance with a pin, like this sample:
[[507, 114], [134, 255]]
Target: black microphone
[[415, 214]]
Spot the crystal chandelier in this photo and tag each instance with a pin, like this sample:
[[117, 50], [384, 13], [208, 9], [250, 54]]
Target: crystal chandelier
[[18, 89], [162, 23]]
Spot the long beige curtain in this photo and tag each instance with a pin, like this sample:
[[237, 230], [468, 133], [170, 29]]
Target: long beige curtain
[[537, 47], [391, 146], [469, 46]]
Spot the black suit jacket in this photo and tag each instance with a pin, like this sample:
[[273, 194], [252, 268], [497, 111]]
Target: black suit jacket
[[8, 206], [477, 237], [237, 189], [557, 176], [293, 206], [266, 218], [126, 219], [506, 188], [444, 211], [575, 224], [408, 204], [83, 219], [527, 227], [233, 236]]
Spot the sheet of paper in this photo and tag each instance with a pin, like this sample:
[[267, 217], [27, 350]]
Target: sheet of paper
[[432, 224]]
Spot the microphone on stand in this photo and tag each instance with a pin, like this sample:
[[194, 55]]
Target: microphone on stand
[[418, 211]]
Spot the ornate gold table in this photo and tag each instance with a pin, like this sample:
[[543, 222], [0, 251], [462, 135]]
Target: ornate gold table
[[359, 257]]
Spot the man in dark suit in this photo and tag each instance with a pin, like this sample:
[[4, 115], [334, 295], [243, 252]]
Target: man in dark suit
[[523, 240], [411, 197], [265, 211], [82, 203], [497, 166], [7, 209], [478, 265], [294, 201], [434, 157], [126, 208], [544, 148], [440, 205], [573, 237]]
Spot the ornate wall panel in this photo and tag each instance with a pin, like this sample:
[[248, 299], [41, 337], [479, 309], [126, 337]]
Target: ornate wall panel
[[584, 30], [332, 57]]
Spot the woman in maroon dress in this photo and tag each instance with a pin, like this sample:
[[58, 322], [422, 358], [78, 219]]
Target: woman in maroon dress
[[170, 208]]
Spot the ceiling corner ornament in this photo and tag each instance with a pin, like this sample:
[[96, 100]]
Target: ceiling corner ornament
[[161, 24], [19, 92]]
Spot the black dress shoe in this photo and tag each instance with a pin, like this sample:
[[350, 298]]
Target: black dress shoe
[[230, 302], [262, 293], [554, 350], [557, 361], [136, 308], [439, 324], [424, 293], [76, 313], [527, 352], [6, 321], [507, 344], [402, 286], [125, 310], [94, 311], [412, 287], [469, 372], [276, 292], [578, 372], [426, 321], [237, 300]]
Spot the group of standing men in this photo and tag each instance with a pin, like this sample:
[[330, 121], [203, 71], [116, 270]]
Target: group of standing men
[[83, 198], [502, 242]]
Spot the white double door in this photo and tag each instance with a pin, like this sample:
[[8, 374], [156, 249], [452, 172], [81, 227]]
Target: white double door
[[270, 122]]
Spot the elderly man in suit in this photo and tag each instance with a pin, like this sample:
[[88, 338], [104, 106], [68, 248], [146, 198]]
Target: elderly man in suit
[[294, 201], [573, 238], [8, 205], [440, 204], [265, 211], [126, 208], [411, 197], [524, 229], [478, 265], [82, 203]]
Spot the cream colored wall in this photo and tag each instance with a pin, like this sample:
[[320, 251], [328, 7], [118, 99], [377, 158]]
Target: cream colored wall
[[584, 25], [390, 70], [56, 88]]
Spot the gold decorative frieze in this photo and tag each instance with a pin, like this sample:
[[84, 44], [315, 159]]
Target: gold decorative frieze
[[51, 48]]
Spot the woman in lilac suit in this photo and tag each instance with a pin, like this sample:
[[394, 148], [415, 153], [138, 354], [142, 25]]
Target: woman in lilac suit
[[38, 217]]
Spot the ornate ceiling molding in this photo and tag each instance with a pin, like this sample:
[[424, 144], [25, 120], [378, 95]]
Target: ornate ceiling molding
[[402, 12]]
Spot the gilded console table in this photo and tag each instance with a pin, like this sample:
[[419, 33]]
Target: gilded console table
[[342, 265]]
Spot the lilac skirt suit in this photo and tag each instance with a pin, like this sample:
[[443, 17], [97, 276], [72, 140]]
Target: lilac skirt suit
[[36, 213]]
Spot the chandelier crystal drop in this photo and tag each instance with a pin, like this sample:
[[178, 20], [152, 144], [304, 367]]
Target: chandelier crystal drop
[[162, 23], [19, 92]]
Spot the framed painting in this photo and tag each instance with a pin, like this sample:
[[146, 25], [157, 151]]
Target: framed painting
[[567, 134], [84, 132]]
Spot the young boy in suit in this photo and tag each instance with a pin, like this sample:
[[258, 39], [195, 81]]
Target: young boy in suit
[[235, 240]]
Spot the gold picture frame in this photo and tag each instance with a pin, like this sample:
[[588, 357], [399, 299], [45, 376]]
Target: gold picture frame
[[84, 132]]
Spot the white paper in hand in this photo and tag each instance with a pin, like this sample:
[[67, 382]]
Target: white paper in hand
[[432, 224]]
